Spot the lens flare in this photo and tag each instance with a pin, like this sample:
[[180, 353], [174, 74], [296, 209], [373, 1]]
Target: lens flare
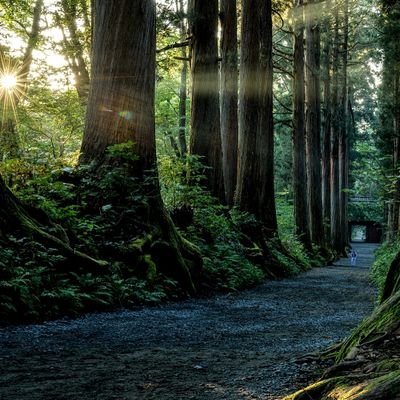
[[8, 81], [12, 87]]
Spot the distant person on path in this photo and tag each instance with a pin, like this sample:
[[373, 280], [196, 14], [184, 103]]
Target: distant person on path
[[353, 257]]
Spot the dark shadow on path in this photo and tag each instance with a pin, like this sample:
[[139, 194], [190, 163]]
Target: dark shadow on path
[[237, 346]]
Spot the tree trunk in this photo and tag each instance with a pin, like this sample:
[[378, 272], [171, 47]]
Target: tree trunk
[[395, 204], [255, 185], [247, 194], [335, 209], [121, 109], [121, 99], [313, 125], [265, 142], [74, 48], [343, 136], [326, 152], [205, 120], [299, 147], [183, 86], [229, 97], [33, 39]]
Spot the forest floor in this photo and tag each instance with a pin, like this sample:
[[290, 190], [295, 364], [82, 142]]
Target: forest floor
[[245, 345]]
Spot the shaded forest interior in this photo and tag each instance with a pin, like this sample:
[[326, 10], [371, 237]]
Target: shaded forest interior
[[155, 151]]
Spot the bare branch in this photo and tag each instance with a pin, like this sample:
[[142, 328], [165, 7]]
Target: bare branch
[[174, 46]]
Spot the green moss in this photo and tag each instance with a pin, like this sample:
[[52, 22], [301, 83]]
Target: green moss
[[388, 384], [380, 321], [140, 243], [151, 268], [318, 390], [388, 365]]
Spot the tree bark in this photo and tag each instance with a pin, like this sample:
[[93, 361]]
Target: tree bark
[[326, 141], [302, 227], [395, 215], [265, 141], [183, 86], [74, 48], [255, 185], [121, 109], [343, 136], [229, 97], [121, 99], [335, 203], [205, 119], [33, 39], [313, 125]]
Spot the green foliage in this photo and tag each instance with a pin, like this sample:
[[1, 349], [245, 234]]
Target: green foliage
[[364, 211], [106, 215], [181, 181], [229, 260], [384, 258], [226, 265], [211, 227], [292, 244], [50, 126]]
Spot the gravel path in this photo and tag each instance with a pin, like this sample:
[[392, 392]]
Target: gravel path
[[240, 346]]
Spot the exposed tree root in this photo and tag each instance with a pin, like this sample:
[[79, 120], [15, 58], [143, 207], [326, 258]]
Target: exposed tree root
[[14, 217]]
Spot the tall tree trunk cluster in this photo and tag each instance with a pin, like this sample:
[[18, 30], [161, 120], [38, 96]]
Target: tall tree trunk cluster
[[235, 144], [320, 104], [390, 118]]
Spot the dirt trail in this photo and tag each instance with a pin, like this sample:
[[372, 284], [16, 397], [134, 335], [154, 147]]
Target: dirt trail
[[240, 346]]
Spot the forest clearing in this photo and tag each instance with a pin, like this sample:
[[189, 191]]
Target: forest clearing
[[200, 199]]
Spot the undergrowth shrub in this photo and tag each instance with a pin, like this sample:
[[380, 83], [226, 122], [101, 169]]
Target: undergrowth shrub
[[384, 256], [104, 215], [217, 231], [285, 217]]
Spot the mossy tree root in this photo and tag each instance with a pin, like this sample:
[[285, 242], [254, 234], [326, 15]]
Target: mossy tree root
[[174, 256], [385, 318], [15, 217]]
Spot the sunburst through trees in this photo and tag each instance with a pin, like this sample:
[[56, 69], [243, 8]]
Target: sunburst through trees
[[12, 84]]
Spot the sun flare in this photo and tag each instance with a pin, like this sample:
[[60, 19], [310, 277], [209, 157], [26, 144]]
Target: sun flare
[[8, 81], [12, 83]]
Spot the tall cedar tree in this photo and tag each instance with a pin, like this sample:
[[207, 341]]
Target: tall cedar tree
[[299, 146], [335, 127], [205, 119], [390, 100], [229, 96], [313, 124], [343, 135], [121, 109], [255, 185], [326, 130], [183, 85]]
